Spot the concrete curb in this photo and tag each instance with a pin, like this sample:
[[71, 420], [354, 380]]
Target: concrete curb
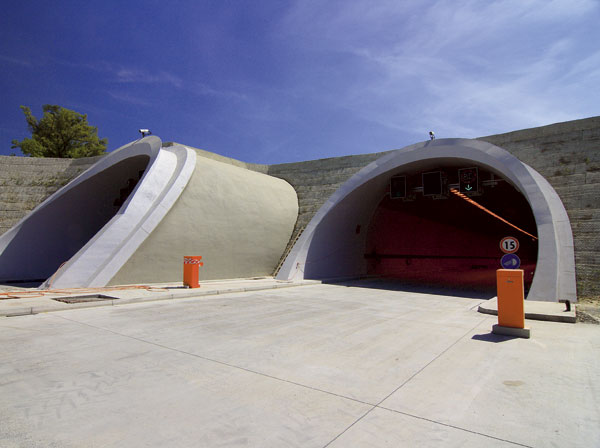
[[53, 305], [534, 310]]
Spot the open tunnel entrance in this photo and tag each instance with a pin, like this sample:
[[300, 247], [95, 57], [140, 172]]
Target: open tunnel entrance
[[435, 229], [59, 230], [442, 225]]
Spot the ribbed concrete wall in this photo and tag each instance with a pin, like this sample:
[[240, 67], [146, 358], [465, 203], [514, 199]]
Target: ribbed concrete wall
[[568, 156], [26, 181]]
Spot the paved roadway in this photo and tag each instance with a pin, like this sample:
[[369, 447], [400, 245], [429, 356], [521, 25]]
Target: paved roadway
[[312, 366]]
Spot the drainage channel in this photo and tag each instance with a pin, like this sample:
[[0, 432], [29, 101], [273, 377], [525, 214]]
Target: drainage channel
[[85, 298]]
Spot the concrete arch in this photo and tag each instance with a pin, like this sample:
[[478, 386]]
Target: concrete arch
[[237, 219], [184, 203], [329, 243], [104, 239]]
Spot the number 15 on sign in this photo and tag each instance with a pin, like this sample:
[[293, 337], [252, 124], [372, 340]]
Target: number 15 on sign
[[509, 245]]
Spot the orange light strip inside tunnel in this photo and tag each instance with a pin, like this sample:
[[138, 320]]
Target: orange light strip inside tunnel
[[471, 201]]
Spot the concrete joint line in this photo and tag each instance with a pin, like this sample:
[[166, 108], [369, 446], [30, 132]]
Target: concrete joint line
[[454, 427], [346, 430], [432, 361], [373, 406], [477, 305], [403, 384]]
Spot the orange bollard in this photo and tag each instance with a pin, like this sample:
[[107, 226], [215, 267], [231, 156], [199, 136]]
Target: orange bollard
[[511, 305], [191, 268]]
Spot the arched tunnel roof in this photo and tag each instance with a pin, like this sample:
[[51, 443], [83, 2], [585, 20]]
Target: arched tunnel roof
[[325, 248]]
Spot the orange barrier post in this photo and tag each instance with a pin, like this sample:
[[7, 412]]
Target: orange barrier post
[[191, 268], [511, 305]]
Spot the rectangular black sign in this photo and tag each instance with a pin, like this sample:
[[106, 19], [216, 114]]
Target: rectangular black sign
[[468, 180], [432, 183], [398, 187]]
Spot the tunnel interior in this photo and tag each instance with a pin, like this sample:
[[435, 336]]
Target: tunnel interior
[[433, 227], [53, 234]]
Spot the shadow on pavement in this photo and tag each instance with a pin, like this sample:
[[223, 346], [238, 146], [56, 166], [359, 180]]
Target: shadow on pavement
[[491, 337], [400, 285]]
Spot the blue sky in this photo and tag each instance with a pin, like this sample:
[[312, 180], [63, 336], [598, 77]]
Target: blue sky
[[280, 81]]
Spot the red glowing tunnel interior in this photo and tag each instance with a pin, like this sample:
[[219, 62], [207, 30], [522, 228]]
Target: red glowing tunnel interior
[[447, 239]]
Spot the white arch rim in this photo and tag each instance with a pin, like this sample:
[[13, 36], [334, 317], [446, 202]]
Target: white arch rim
[[555, 273]]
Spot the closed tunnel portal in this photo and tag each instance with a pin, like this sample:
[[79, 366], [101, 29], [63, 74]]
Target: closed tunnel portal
[[67, 225]]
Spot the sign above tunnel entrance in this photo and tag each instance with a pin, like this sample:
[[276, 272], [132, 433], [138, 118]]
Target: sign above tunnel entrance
[[468, 180], [432, 183], [398, 187]]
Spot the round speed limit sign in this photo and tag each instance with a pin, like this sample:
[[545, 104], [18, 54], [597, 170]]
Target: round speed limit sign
[[509, 245]]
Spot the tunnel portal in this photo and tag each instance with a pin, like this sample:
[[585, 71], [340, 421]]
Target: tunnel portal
[[426, 231], [55, 233]]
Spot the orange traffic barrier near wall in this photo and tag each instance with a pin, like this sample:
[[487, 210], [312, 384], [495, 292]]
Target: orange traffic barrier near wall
[[191, 268], [511, 296]]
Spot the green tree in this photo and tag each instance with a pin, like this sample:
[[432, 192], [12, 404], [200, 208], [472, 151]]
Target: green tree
[[60, 133]]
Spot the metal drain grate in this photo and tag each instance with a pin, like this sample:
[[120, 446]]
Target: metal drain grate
[[86, 298]]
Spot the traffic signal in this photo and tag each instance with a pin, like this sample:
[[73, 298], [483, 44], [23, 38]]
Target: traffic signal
[[468, 180], [432, 183], [398, 187]]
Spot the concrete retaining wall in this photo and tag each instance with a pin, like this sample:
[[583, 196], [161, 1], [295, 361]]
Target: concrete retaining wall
[[566, 154]]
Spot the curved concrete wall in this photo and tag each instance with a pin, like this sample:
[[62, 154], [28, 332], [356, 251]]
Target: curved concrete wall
[[183, 204], [55, 232], [329, 245], [238, 220], [90, 225]]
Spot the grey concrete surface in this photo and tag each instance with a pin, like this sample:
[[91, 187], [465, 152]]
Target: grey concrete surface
[[339, 365]]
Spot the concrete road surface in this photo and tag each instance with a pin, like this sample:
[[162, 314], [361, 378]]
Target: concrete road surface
[[344, 365]]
